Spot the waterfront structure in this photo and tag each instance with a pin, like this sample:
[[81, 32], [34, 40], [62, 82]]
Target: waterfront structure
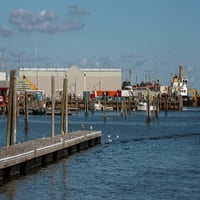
[[179, 84], [80, 79], [20, 159]]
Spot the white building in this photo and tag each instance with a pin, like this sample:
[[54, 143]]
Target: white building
[[79, 79]]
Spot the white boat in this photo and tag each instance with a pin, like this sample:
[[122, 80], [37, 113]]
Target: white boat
[[96, 106], [142, 106]]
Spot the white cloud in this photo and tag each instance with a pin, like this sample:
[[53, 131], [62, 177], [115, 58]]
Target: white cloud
[[45, 21]]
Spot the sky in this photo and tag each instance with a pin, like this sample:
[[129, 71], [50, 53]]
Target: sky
[[147, 39]]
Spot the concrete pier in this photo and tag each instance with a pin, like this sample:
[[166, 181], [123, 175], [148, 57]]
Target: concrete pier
[[20, 159]]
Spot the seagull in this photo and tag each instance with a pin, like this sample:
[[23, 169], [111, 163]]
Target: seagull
[[109, 138], [83, 126]]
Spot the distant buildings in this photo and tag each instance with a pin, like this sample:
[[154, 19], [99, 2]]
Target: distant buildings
[[79, 79]]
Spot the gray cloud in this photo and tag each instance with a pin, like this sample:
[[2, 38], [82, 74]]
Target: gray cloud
[[45, 21], [5, 31], [75, 10]]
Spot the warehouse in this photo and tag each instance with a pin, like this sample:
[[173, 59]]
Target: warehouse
[[79, 79]]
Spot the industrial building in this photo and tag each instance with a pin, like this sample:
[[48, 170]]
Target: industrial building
[[79, 79]]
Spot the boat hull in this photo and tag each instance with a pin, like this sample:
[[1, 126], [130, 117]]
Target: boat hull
[[142, 106]]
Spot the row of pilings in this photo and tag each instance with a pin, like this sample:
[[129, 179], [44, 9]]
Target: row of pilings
[[13, 109], [165, 103], [126, 105]]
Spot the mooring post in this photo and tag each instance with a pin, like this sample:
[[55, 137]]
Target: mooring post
[[125, 108], [105, 118], [9, 119], [86, 97], [157, 105], [14, 109], [122, 107], [148, 119], [117, 106], [66, 104], [52, 106], [26, 113], [63, 107], [11, 122], [86, 103]]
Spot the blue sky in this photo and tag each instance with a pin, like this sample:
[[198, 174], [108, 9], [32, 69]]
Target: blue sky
[[149, 37]]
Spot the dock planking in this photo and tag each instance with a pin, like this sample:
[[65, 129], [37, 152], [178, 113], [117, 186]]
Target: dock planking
[[22, 158]]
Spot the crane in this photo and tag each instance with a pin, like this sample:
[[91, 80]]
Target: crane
[[32, 86], [195, 94]]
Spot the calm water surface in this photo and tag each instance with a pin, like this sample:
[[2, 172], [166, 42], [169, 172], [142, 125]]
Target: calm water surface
[[159, 161]]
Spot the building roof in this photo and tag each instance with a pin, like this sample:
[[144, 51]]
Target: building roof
[[66, 69]]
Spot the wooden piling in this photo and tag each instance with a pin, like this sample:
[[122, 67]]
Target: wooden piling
[[105, 117], [52, 106], [11, 122], [157, 105], [86, 99], [63, 107], [26, 124], [9, 118], [148, 117], [117, 106], [14, 111], [66, 105]]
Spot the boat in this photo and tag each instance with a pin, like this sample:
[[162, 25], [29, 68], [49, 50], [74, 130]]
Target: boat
[[38, 112], [96, 106], [142, 106], [56, 112], [107, 108]]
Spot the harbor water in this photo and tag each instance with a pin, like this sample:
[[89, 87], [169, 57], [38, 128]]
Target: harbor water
[[134, 160]]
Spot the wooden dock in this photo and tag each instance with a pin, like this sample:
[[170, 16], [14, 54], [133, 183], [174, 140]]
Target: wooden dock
[[19, 159]]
